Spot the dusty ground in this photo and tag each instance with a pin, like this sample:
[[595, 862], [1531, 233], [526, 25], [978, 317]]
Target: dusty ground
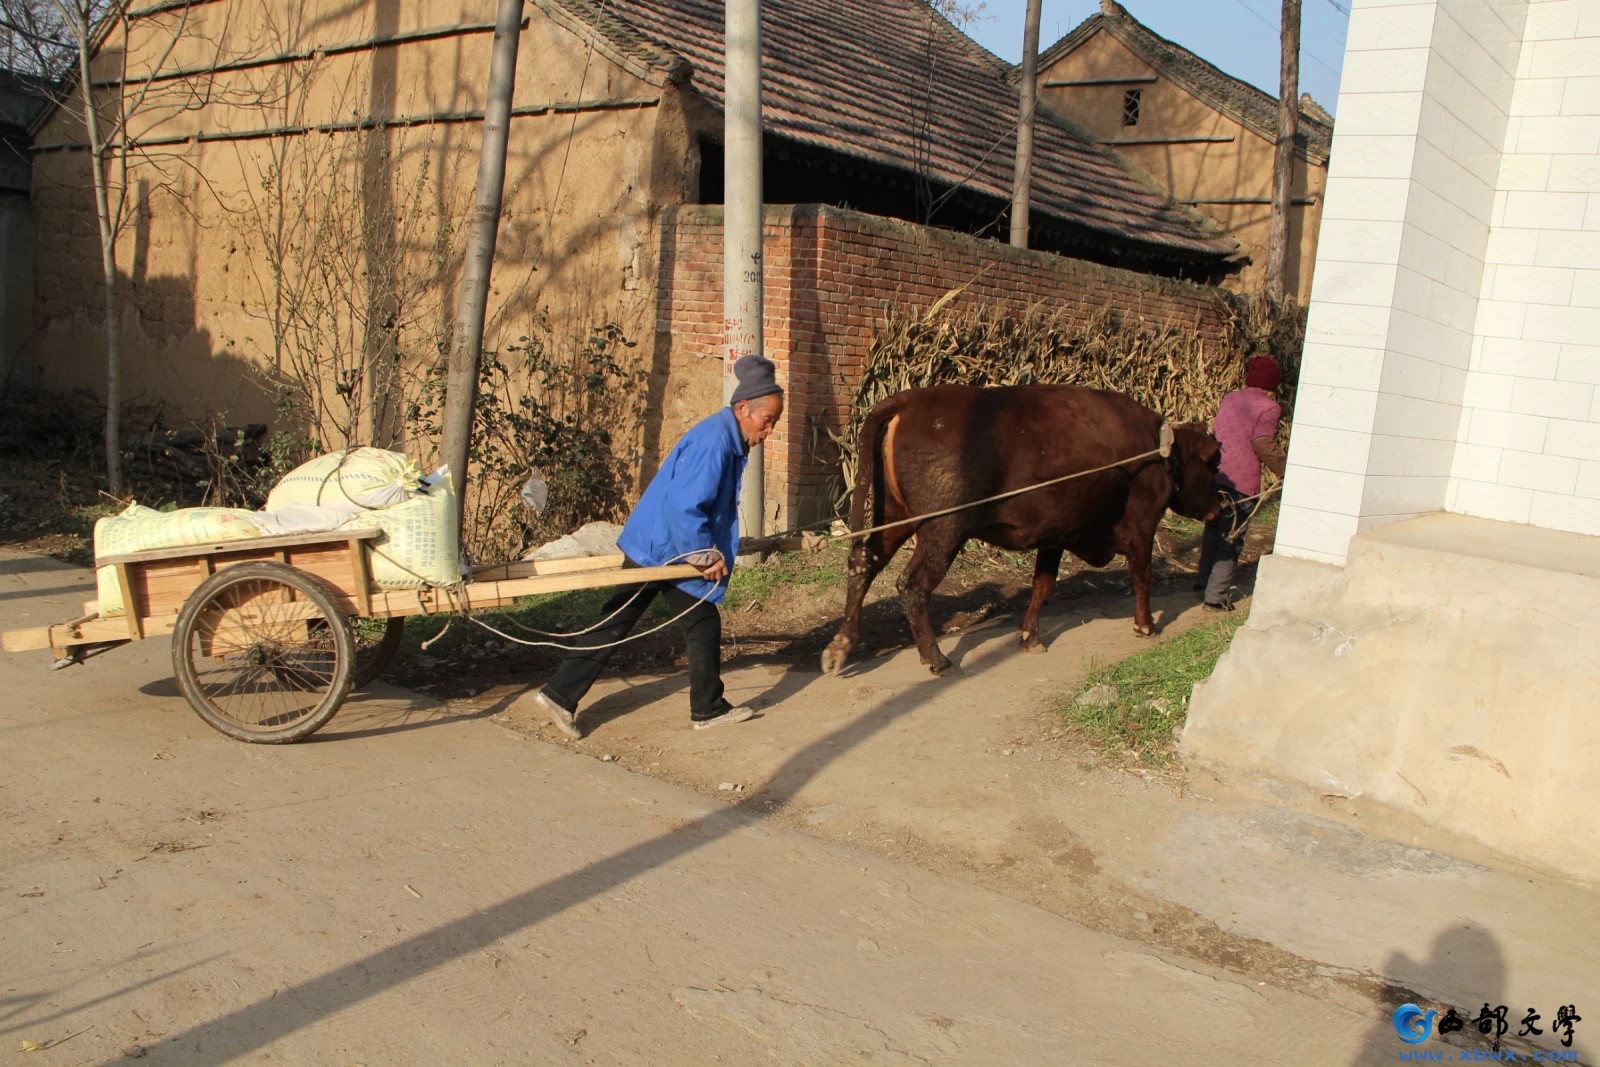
[[416, 885], [973, 779], [914, 870], [977, 777]]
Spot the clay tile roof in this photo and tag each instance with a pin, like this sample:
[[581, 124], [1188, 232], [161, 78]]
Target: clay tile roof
[[855, 78], [1257, 110]]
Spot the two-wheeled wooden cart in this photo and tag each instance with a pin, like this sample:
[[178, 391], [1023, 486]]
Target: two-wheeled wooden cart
[[270, 634]]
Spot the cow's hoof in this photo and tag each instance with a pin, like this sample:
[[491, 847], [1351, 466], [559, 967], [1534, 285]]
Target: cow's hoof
[[1143, 631], [836, 655], [943, 668], [1031, 643]]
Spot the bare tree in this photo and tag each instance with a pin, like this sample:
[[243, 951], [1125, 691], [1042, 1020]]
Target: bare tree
[[81, 23], [317, 226], [960, 14], [1283, 164], [120, 109], [36, 39]]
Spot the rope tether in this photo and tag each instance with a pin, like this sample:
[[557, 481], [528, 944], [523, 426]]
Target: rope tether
[[992, 499], [465, 608]]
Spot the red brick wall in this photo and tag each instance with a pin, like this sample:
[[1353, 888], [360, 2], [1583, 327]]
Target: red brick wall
[[830, 275]]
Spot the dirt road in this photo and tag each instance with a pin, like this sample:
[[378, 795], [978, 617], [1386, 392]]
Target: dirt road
[[419, 885]]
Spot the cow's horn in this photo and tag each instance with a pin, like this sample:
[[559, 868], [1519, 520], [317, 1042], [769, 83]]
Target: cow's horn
[[1167, 439]]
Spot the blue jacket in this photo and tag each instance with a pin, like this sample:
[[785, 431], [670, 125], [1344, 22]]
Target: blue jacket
[[692, 503]]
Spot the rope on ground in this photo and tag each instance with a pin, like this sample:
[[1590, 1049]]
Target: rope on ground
[[430, 641]]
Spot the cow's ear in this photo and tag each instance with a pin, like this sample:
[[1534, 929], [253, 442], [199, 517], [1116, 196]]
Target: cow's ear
[[1197, 444]]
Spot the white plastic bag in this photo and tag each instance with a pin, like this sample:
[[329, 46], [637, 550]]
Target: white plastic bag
[[298, 519], [536, 493], [594, 539]]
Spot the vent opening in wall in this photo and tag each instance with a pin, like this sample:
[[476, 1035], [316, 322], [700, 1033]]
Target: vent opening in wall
[[1130, 107]]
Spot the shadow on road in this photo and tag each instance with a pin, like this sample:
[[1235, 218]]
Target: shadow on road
[[245, 1030]]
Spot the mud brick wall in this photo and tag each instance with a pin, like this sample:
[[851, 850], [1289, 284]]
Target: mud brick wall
[[830, 276]]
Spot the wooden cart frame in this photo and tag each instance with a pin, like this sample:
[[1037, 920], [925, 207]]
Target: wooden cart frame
[[270, 634]]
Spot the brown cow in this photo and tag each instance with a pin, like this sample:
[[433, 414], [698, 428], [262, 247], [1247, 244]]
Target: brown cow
[[924, 450]]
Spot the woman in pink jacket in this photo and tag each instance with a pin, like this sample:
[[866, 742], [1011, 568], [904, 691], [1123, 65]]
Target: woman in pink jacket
[[1247, 426]]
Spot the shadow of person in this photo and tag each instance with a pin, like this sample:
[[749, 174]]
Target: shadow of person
[[386, 709], [1448, 1003], [636, 691]]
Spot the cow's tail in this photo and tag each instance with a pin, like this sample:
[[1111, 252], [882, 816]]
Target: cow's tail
[[869, 471]]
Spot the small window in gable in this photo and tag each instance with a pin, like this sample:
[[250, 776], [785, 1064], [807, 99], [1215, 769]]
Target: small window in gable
[[1130, 107]]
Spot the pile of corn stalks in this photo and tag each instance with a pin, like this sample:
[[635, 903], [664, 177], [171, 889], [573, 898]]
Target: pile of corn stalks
[[1162, 366]]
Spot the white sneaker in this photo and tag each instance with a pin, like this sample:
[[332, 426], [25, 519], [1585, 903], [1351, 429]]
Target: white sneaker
[[727, 718], [564, 720]]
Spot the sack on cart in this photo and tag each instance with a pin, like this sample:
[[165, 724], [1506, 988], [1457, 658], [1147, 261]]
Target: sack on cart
[[142, 529], [355, 479], [420, 545]]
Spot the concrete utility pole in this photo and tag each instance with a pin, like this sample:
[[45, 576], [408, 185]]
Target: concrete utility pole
[[461, 381], [741, 226], [1283, 164], [1022, 180]]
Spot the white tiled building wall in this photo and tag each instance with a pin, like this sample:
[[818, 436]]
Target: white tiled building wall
[[1454, 334], [1529, 445]]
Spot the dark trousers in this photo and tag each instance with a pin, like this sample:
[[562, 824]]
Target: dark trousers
[[583, 665], [1219, 552]]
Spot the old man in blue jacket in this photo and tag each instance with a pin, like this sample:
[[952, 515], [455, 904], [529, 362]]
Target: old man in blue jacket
[[689, 513]]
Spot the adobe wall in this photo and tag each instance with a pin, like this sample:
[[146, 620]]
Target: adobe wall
[[830, 275], [231, 221], [1202, 156]]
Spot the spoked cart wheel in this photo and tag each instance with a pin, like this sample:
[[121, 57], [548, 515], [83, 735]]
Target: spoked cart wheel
[[376, 642], [263, 653]]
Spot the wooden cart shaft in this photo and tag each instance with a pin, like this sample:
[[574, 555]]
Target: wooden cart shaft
[[155, 584]]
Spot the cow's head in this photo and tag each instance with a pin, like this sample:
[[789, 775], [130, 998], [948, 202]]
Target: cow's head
[[1193, 466]]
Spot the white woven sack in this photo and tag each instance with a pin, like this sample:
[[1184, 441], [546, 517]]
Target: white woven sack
[[140, 529], [419, 545], [353, 480]]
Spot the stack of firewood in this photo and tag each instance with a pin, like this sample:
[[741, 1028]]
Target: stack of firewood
[[195, 454]]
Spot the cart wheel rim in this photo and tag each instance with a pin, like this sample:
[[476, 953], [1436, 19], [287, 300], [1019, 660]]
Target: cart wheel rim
[[262, 652]]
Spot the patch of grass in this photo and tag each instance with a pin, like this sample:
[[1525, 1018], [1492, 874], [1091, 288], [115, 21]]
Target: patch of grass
[[753, 584], [761, 582], [1151, 691], [977, 556], [1182, 526]]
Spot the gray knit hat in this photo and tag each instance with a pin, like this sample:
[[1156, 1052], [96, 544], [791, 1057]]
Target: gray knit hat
[[757, 377]]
